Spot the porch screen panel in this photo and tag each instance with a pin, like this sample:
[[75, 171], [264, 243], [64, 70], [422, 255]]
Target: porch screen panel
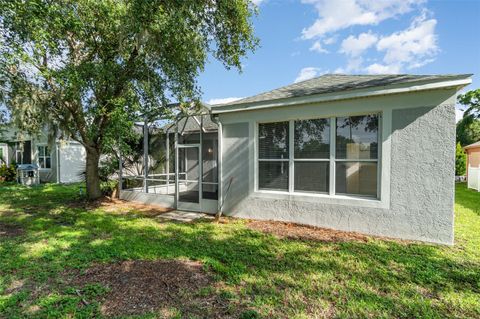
[[157, 159], [210, 165]]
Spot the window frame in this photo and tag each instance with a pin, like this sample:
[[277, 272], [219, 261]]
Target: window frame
[[332, 160], [44, 156]]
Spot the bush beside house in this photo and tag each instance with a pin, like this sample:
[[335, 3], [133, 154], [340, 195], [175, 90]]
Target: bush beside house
[[460, 161], [8, 173]]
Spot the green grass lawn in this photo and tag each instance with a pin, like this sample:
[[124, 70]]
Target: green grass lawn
[[255, 274]]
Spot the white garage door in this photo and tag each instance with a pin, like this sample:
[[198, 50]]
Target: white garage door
[[72, 163]]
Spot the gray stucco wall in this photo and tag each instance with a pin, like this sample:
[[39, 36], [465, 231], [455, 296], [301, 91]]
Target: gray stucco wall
[[417, 169]]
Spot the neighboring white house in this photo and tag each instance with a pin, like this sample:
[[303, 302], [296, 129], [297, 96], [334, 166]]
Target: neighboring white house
[[367, 153], [58, 161]]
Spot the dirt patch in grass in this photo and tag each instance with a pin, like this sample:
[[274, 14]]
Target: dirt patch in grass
[[11, 230], [139, 287], [304, 232], [119, 206]]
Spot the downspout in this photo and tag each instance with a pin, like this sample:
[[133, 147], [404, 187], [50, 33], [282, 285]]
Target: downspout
[[215, 120]]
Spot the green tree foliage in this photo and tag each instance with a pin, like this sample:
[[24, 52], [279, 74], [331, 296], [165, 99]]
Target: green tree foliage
[[468, 131], [8, 173], [468, 128], [91, 68], [471, 100], [460, 161]]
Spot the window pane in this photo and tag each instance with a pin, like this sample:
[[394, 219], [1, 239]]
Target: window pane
[[312, 138], [273, 175], [357, 137], [311, 176], [273, 140], [41, 162], [47, 162], [358, 178]]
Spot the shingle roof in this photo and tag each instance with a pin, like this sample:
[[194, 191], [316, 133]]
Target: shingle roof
[[330, 83], [474, 145]]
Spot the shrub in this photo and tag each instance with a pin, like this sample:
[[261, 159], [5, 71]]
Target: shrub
[[108, 187], [8, 173], [460, 161]]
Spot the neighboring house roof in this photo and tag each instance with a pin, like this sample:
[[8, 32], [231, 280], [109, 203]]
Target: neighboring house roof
[[474, 145], [334, 83]]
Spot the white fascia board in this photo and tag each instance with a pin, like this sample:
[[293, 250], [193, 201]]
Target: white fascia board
[[458, 84]]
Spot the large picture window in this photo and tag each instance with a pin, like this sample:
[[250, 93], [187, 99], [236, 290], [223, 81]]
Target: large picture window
[[329, 155], [44, 159]]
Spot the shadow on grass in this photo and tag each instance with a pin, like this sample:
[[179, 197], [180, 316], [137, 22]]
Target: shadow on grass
[[279, 278]]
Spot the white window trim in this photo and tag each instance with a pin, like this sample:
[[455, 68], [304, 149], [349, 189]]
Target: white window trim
[[332, 160], [45, 156]]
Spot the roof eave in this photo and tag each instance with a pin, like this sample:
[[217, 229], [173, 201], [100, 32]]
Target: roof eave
[[335, 96], [474, 145]]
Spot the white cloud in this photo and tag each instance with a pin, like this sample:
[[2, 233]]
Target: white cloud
[[223, 100], [414, 46], [354, 64], [334, 15], [355, 46], [257, 2], [309, 73], [317, 47], [330, 40], [377, 68], [410, 48]]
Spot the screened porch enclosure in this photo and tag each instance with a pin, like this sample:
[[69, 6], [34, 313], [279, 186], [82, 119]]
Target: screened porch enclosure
[[175, 165]]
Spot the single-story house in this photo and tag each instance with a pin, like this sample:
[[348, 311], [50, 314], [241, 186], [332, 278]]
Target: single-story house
[[59, 161], [367, 153], [473, 165]]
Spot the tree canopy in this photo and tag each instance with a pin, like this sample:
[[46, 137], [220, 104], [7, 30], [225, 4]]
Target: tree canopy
[[471, 100], [90, 68], [468, 128], [468, 131]]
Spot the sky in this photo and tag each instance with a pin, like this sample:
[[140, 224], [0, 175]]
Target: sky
[[302, 39]]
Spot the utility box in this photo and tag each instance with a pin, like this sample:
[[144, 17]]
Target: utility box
[[27, 174]]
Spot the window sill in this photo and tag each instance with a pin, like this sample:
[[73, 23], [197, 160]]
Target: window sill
[[346, 200]]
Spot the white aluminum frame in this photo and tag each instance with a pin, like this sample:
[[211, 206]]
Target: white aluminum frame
[[204, 204], [332, 160]]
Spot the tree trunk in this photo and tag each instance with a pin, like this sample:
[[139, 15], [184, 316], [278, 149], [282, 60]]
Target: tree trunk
[[92, 176]]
